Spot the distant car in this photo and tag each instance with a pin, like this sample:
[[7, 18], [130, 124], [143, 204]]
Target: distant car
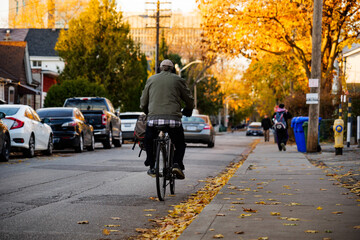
[[128, 121], [5, 143], [254, 129], [69, 127], [198, 129], [28, 132]]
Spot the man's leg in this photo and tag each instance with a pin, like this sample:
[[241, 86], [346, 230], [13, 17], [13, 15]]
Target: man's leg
[[177, 137], [149, 146]]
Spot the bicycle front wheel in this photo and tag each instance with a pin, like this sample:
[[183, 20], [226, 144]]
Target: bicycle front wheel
[[160, 172]]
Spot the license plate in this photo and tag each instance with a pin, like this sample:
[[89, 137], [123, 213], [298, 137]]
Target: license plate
[[255, 134], [191, 128]]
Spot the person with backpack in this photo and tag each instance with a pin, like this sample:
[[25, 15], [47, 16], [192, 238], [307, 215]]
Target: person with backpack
[[161, 100], [280, 119]]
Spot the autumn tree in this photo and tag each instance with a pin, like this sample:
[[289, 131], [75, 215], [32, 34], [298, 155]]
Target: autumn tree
[[97, 46], [44, 14], [281, 27]]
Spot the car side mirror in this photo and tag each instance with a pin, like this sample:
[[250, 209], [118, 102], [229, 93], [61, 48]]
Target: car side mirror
[[45, 120], [2, 115]]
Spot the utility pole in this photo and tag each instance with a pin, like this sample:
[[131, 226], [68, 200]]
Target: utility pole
[[315, 85], [157, 17]]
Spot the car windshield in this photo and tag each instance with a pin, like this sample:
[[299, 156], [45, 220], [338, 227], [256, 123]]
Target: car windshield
[[192, 119], [255, 127], [43, 113], [9, 111], [129, 116], [88, 104]]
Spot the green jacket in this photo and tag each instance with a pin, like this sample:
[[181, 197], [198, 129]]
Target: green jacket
[[163, 94]]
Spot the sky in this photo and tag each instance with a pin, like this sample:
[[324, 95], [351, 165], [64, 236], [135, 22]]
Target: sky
[[125, 6]]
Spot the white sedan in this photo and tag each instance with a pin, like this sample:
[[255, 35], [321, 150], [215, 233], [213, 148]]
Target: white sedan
[[27, 132]]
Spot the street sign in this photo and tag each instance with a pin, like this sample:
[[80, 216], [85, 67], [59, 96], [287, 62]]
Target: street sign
[[313, 82], [312, 98]]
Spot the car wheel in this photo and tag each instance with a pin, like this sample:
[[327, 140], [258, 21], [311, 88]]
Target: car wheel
[[80, 147], [211, 144], [50, 147], [92, 145], [117, 142], [5, 152], [108, 142], [30, 152]]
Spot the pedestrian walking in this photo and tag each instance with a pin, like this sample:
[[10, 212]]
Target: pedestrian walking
[[266, 124], [280, 118]]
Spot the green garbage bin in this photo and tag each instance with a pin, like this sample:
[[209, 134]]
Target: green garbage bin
[[305, 127]]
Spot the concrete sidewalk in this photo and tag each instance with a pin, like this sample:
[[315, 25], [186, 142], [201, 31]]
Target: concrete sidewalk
[[292, 198]]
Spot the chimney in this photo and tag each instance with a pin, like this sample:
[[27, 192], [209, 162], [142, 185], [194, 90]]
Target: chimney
[[7, 35]]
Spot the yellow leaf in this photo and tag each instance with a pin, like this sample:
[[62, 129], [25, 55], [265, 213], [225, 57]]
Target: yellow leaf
[[295, 204], [319, 208], [114, 230], [106, 232], [275, 214], [357, 227], [115, 218], [239, 232], [263, 238], [148, 215], [141, 230], [220, 214], [218, 236], [289, 224], [244, 215], [112, 225], [323, 189], [149, 210], [211, 229], [311, 231], [293, 219], [338, 212]]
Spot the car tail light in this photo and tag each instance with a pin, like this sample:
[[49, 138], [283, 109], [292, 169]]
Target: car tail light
[[207, 126], [103, 119], [17, 123], [69, 124]]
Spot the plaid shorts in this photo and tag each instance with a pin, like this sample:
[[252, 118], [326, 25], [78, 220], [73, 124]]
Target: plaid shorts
[[161, 122]]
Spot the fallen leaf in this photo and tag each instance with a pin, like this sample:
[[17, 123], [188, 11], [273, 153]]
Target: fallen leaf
[[319, 208], [275, 214], [328, 231], [237, 203], [111, 225], [323, 189], [244, 215], [311, 231], [115, 218], [263, 238], [295, 204], [338, 212], [114, 230], [249, 210], [220, 214], [83, 222], [226, 198], [261, 202], [289, 224], [232, 209], [357, 227], [141, 230], [211, 229], [283, 218], [149, 210], [148, 215], [293, 219], [240, 232], [106, 232], [218, 236]]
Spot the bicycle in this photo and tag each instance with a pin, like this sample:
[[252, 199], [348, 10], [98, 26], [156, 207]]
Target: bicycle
[[164, 154]]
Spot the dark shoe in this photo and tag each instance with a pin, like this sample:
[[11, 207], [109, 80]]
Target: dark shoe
[[178, 172], [151, 172]]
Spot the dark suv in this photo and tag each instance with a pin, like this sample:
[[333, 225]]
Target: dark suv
[[100, 113]]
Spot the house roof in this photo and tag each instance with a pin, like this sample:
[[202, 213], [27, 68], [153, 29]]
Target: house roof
[[17, 34], [12, 65], [354, 46], [41, 42]]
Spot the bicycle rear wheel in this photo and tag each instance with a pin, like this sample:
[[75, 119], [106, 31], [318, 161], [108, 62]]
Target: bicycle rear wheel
[[160, 172], [171, 163]]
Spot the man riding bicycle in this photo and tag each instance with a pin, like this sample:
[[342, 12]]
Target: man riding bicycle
[[161, 100]]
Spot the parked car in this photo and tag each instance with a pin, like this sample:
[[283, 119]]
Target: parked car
[[5, 143], [198, 129], [28, 132], [69, 127], [100, 113], [254, 129], [128, 121]]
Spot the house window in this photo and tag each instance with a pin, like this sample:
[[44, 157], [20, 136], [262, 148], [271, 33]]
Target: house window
[[2, 92], [36, 64], [11, 98]]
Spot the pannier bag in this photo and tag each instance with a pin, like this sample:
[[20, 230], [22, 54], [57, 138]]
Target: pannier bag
[[139, 132]]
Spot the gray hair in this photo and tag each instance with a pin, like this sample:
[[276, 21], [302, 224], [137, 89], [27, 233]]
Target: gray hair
[[166, 68]]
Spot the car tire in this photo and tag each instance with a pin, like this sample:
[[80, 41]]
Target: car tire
[[80, 147], [50, 147], [211, 144], [108, 142], [118, 142], [30, 152], [5, 152], [92, 145]]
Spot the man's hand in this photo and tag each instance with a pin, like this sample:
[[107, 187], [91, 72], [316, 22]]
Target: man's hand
[[187, 112]]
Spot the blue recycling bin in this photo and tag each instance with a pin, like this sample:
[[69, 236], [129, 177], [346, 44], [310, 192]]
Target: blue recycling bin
[[296, 124]]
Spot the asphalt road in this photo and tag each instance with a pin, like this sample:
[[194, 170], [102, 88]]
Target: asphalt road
[[46, 197]]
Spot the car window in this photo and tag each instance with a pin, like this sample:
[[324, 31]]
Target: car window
[[43, 113], [9, 111], [89, 104], [127, 116], [193, 119], [28, 114]]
